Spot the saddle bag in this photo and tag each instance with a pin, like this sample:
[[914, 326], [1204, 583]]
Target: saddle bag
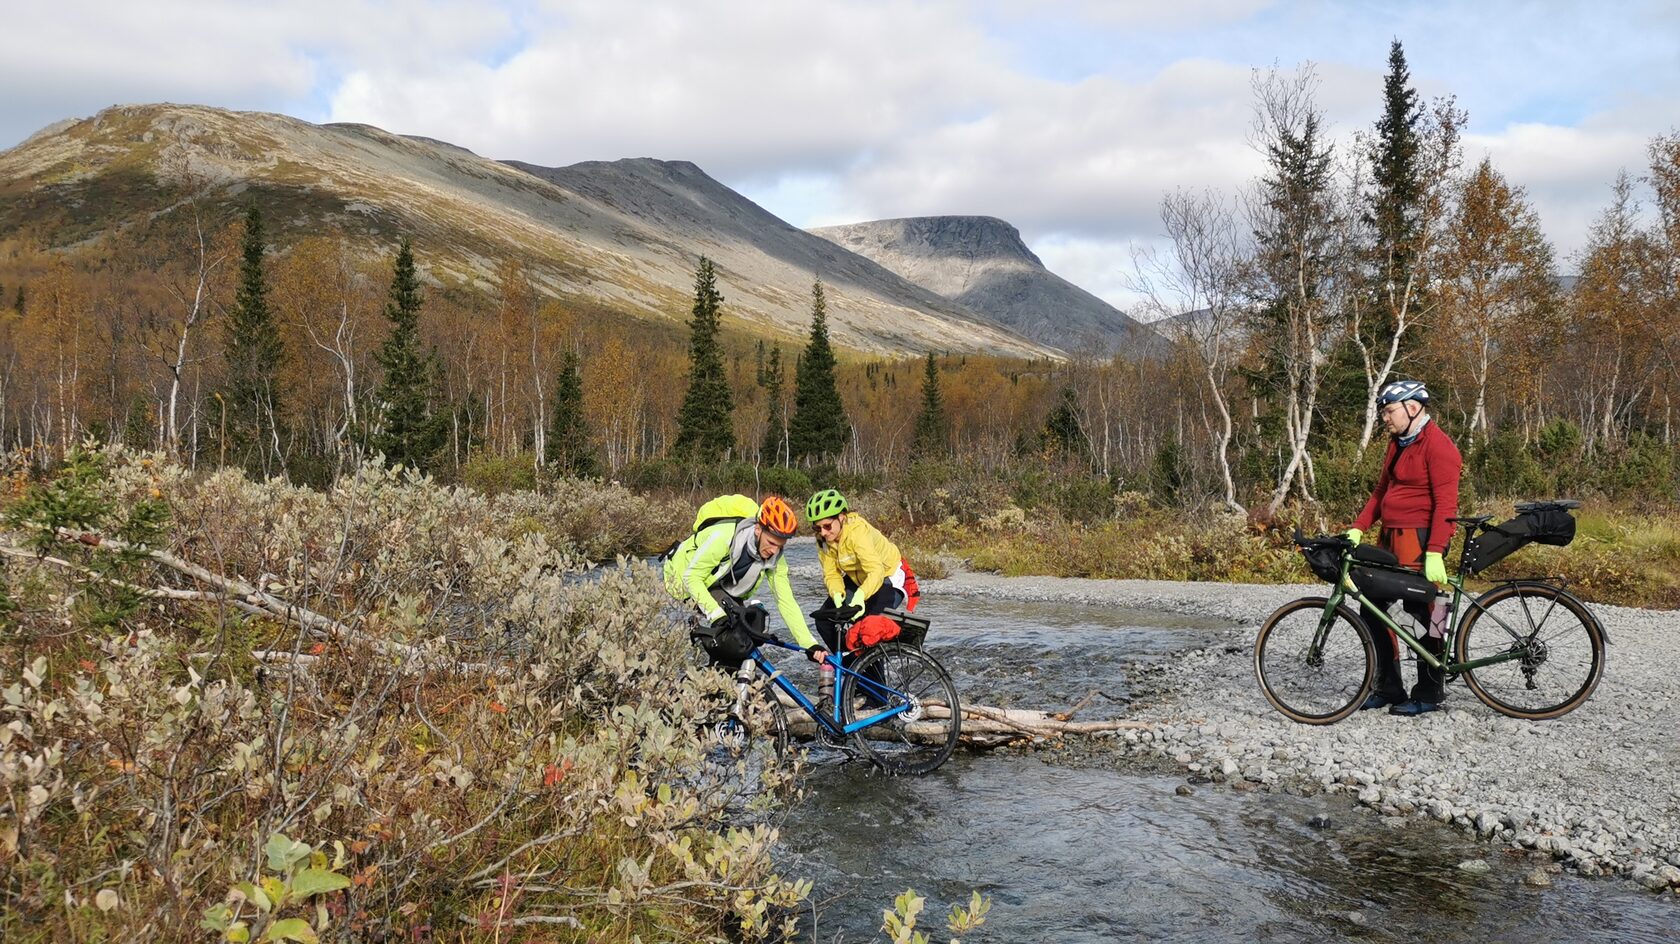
[[1543, 524]]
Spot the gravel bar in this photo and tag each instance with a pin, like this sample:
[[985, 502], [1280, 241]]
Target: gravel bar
[[1597, 788]]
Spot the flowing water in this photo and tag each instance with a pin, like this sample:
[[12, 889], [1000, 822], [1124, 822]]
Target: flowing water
[[1081, 854]]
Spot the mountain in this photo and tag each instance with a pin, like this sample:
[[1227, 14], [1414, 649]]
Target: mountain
[[981, 263], [622, 235]]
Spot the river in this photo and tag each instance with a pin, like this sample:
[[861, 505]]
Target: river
[[1071, 849]]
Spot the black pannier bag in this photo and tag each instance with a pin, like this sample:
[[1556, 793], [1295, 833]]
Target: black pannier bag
[[1541, 524], [1380, 584], [912, 628]]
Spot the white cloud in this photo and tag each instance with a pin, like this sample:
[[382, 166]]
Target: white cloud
[[743, 88], [1069, 118]]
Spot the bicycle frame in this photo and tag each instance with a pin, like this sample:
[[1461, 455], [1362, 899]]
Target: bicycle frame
[[1344, 588], [834, 725]]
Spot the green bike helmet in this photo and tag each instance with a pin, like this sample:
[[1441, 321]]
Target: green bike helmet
[[824, 504]]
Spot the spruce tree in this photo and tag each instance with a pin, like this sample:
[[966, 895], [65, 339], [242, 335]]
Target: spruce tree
[[254, 354], [819, 428], [704, 431], [1062, 436], [409, 433], [775, 428], [568, 450], [1397, 187], [933, 433]]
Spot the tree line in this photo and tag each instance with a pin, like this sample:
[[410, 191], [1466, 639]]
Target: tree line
[[1343, 266]]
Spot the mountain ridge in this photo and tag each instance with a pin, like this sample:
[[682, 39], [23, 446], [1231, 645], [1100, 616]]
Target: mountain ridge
[[624, 233]]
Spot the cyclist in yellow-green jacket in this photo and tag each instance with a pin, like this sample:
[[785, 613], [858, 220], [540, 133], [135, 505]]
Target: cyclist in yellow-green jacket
[[732, 560], [861, 568]]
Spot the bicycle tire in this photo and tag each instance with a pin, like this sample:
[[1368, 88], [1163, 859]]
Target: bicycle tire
[[1570, 652], [913, 742], [1308, 692]]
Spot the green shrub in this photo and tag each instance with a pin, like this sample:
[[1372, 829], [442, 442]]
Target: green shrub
[[495, 474], [1504, 465]]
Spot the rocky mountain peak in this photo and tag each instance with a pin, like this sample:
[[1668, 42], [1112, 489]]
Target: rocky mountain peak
[[982, 263], [971, 237]]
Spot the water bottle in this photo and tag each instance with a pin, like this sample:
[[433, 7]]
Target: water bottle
[[1438, 616], [825, 686]]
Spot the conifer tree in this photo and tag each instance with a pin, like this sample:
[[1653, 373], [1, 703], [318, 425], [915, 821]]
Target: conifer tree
[[17, 303], [776, 425], [933, 433], [568, 450], [409, 433], [704, 431], [1062, 435], [819, 428], [254, 353], [1391, 217], [1397, 184]]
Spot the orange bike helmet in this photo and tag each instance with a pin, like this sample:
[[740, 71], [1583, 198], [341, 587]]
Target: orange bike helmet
[[776, 516]]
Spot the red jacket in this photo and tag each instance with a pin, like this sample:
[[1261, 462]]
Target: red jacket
[[1419, 489]]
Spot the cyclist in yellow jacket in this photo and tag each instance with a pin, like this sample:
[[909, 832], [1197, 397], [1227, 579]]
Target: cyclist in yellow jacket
[[861, 568]]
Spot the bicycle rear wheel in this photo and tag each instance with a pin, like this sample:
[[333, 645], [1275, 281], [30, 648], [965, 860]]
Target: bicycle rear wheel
[[918, 739], [1556, 650], [1316, 669]]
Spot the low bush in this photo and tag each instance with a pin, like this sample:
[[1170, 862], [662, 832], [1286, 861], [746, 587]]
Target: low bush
[[483, 745]]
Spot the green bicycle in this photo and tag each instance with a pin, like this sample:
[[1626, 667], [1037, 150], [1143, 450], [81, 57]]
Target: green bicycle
[[1527, 647]]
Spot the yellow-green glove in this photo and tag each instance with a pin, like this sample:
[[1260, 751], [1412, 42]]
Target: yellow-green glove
[[1355, 535], [1434, 569]]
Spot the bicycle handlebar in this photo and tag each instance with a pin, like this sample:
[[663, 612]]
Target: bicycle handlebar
[[1322, 540]]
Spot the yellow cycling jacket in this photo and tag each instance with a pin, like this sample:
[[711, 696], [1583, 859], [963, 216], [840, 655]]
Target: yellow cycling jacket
[[863, 554]]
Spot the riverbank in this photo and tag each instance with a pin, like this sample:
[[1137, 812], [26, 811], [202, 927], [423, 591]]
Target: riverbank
[[1594, 789]]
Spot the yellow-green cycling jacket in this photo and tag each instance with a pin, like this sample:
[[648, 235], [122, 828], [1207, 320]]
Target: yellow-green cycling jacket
[[725, 557]]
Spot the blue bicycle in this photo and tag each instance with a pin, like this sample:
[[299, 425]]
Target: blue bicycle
[[896, 704]]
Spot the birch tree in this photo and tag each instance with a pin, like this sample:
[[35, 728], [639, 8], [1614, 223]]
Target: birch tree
[[1199, 288], [1298, 280]]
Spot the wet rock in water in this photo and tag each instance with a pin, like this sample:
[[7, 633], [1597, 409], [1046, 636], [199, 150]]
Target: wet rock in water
[[1357, 917], [1319, 821], [1537, 877], [1475, 866], [1185, 790]]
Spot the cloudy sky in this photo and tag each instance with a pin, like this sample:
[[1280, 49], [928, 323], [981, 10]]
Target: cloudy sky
[[1069, 118]]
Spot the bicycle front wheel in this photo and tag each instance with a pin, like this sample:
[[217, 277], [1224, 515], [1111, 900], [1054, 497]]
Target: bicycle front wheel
[[1314, 665], [919, 738], [1554, 650]]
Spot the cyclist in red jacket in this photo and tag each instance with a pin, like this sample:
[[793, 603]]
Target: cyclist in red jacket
[[1416, 493]]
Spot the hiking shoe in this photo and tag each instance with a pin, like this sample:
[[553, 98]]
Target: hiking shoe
[[1378, 700], [1413, 707]]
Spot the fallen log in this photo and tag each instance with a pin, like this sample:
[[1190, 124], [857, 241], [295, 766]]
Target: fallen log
[[982, 725]]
